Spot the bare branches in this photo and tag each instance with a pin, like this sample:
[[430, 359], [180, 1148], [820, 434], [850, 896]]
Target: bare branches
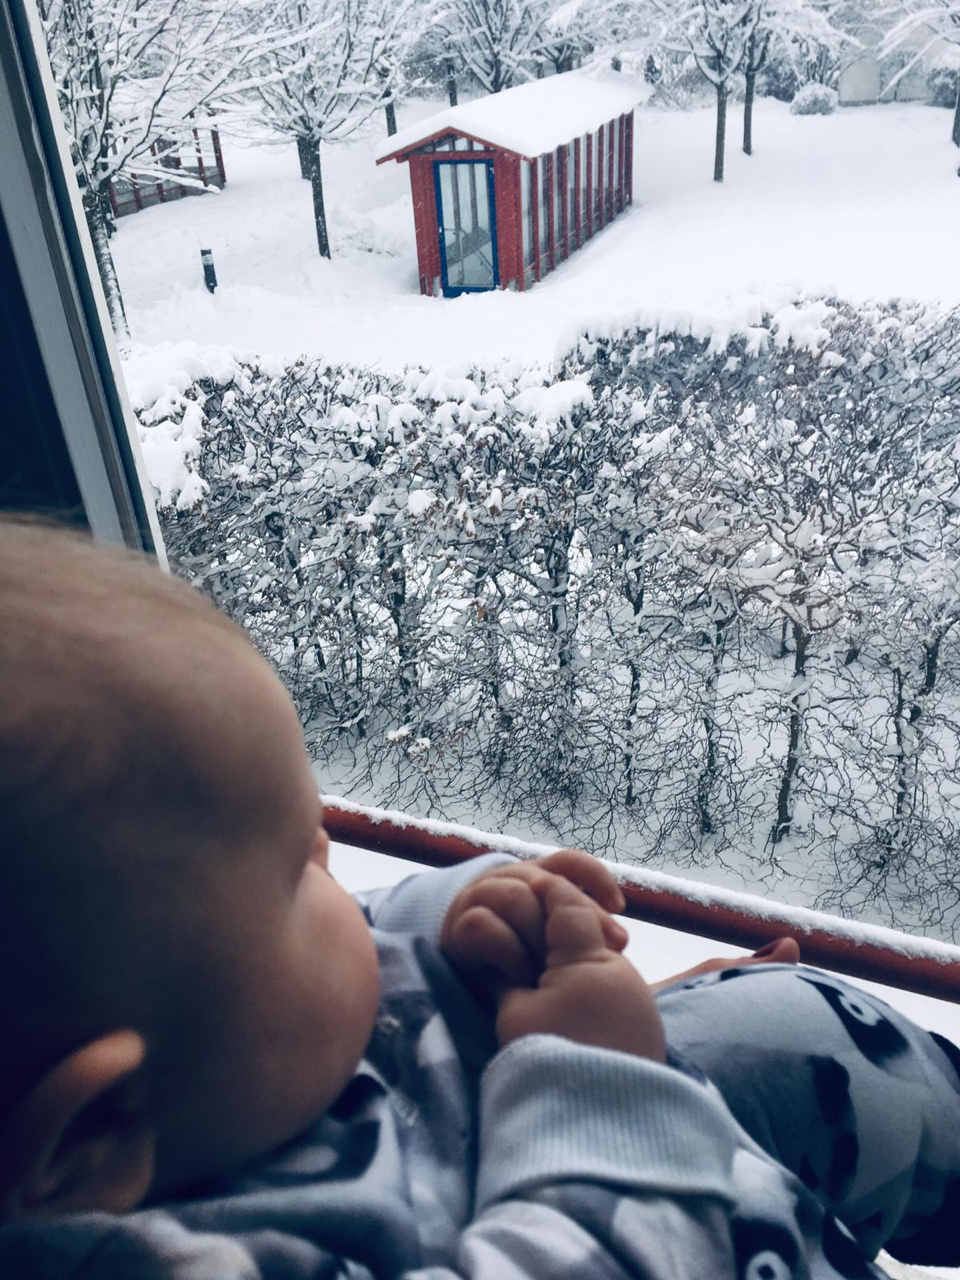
[[708, 613]]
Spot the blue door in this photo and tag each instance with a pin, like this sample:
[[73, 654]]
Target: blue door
[[466, 216]]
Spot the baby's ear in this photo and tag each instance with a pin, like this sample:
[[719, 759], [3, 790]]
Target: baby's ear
[[80, 1139]]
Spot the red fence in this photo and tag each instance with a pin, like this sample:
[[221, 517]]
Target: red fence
[[203, 164], [862, 951]]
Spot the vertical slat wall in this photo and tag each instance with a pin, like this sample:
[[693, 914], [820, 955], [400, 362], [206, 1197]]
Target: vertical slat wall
[[508, 202], [425, 220]]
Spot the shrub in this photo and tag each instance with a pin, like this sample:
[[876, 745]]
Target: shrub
[[778, 79], [605, 598], [944, 85], [815, 100]]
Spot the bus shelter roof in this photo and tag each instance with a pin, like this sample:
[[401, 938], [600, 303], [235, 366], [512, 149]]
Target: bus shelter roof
[[529, 119]]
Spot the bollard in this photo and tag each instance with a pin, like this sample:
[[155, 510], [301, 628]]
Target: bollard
[[209, 271]]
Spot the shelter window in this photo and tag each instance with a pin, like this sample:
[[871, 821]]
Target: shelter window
[[585, 160], [529, 198], [595, 176], [559, 214], [571, 164], [544, 216]]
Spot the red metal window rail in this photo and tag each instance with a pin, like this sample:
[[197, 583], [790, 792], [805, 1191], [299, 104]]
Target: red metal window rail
[[922, 965]]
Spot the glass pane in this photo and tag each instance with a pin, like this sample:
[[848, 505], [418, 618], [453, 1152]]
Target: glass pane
[[595, 177], [559, 187], [544, 224], [527, 219], [584, 183], [616, 160], [466, 230], [571, 197]]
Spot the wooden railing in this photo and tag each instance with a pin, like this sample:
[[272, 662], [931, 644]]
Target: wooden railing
[[923, 965]]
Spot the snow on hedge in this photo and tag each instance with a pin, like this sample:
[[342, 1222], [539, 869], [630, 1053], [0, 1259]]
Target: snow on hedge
[[530, 119], [610, 596]]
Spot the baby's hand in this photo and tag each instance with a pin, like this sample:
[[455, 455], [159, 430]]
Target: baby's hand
[[494, 930], [587, 992]]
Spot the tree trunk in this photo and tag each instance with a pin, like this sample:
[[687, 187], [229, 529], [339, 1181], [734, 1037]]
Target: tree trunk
[[955, 135], [303, 155], [389, 106], [451, 81], [707, 781], [721, 133], [93, 208], [316, 187], [785, 798], [748, 113]]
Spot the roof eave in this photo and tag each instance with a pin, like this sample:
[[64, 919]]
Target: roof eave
[[404, 152]]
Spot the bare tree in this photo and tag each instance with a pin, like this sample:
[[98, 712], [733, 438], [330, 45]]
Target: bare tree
[[326, 67], [717, 36], [800, 31], [130, 74], [922, 27], [497, 42]]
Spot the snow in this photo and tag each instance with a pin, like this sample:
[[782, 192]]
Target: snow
[[532, 118], [816, 210], [554, 403]]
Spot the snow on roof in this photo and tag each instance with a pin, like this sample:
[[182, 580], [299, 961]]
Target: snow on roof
[[530, 118]]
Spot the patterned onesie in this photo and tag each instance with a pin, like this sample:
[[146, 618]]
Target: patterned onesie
[[828, 1124]]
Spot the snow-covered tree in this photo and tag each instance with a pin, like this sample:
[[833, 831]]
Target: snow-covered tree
[[925, 28], [800, 31], [717, 36], [497, 42], [130, 74], [732, 39], [326, 67]]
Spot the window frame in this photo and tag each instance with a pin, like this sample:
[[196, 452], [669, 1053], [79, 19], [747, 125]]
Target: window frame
[[80, 409]]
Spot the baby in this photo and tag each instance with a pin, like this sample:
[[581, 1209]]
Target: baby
[[217, 1065]]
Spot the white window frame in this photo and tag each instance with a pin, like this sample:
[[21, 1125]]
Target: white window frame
[[53, 257]]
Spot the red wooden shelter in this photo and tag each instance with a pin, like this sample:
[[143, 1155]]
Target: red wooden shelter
[[506, 187]]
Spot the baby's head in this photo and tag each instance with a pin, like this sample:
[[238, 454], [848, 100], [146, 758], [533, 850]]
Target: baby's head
[[182, 985]]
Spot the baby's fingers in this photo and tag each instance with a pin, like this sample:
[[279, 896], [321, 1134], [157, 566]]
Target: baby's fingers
[[574, 928], [483, 939], [588, 874]]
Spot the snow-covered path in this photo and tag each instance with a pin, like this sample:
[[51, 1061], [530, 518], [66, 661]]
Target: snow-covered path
[[864, 203]]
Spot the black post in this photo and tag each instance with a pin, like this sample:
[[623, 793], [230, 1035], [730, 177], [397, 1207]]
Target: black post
[[209, 271]]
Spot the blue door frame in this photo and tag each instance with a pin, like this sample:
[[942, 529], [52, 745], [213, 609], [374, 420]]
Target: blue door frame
[[453, 291]]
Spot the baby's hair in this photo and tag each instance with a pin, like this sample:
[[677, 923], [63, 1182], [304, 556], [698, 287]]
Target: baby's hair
[[96, 785]]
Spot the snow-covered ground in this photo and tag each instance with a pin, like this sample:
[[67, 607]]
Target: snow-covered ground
[[864, 203]]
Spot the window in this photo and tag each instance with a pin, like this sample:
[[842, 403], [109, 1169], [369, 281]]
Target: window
[[597, 179], [544, 167], [344, 327], [528, 196], [616, 202], [586, 194], [559, 210], [571, 167]]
